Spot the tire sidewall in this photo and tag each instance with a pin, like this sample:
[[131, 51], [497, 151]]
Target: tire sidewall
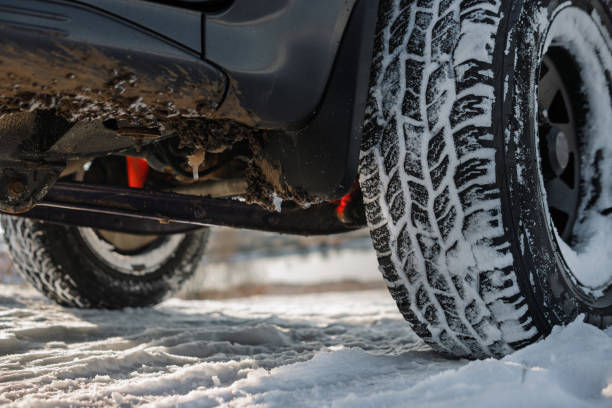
[[538, 262], [99, 286]]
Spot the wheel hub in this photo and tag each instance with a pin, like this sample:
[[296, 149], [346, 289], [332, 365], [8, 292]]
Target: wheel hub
[[558, 150]]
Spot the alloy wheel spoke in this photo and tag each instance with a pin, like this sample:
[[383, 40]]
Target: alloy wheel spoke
[[548, 89]]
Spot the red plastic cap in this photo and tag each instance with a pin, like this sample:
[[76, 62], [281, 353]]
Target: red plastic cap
[[137, 171]]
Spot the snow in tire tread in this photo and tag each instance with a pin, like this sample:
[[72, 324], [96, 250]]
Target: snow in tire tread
[[427, 171], [28, 245]]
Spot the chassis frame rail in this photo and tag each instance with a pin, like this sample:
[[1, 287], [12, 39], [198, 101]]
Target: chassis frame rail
[[150, 212]]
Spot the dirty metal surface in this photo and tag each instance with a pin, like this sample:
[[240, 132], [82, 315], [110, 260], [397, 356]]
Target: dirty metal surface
[[82, 82]]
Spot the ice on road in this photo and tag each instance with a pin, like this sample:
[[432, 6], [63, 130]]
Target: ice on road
[[334, 349]]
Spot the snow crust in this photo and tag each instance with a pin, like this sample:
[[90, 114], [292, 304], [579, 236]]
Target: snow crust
[[590, 257], [340, 350]]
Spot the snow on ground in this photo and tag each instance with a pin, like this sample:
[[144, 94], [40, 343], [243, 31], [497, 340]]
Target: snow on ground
[[334, 349]]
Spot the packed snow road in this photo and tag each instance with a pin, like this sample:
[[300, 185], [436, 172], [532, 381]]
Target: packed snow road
[[335, 349]]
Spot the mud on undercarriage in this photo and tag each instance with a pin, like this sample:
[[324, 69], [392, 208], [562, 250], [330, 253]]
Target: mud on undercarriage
[[72, 99]]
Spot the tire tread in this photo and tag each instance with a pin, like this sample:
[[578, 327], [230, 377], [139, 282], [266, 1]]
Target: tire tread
[[428, 177]]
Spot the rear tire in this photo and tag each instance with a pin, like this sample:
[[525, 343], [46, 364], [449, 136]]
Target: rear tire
[[451, 169], [77, 268]]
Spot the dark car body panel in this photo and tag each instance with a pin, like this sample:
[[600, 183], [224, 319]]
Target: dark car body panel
[[181, 25], [280, 54], [298, 69], [89, 65]]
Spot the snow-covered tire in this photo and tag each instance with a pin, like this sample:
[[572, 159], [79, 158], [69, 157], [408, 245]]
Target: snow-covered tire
[[71, 267], [450, 168]]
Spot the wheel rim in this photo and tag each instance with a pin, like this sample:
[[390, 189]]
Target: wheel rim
[[128, 244], [138, 262], [135, 255], [559, 147], [574, 97]]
